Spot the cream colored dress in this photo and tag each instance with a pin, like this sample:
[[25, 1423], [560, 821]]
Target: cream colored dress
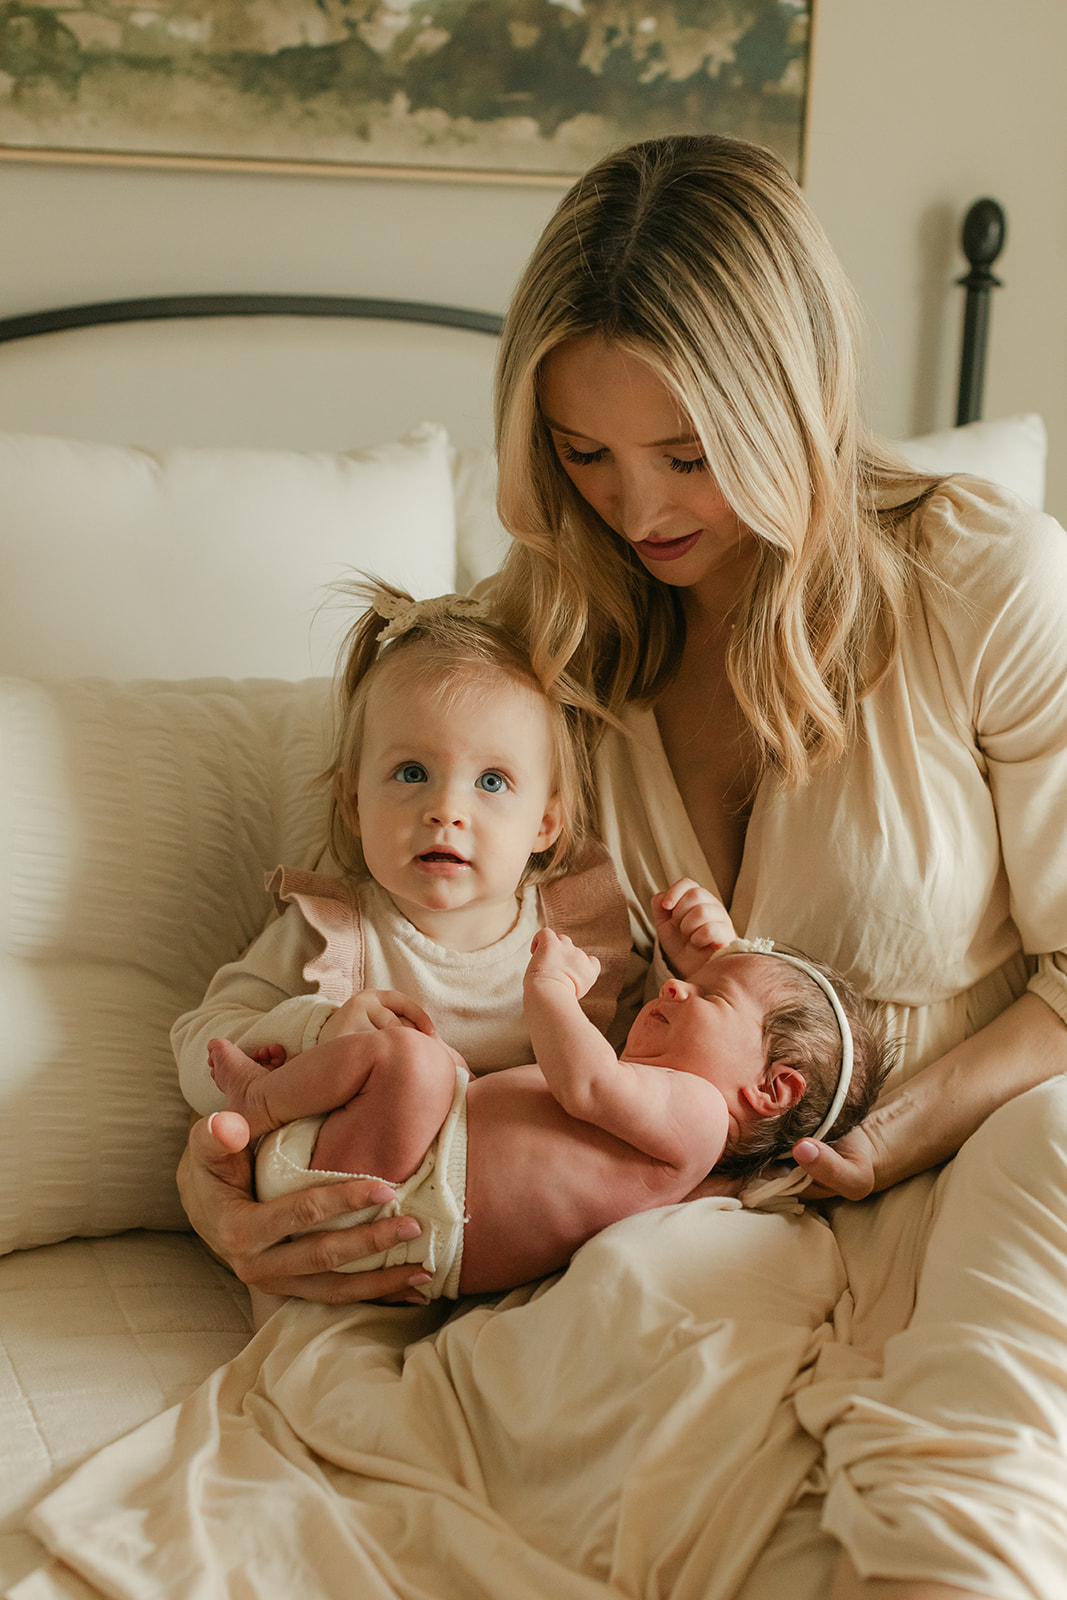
[[930, 864]]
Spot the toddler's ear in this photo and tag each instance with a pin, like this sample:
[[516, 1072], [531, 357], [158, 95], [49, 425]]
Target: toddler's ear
[[551, 826]]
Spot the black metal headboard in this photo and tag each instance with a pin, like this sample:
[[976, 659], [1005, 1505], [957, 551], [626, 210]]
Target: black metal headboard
[[166, 307], [983, 234]]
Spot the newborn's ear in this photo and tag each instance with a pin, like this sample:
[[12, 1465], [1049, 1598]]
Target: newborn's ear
[[780, 1087]]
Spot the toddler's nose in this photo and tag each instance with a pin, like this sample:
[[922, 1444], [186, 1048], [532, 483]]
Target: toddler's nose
[[446, 809]]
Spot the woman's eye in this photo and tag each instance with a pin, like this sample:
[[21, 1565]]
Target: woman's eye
[[696, 465], [411, 772], [492, 782], [580, 458]]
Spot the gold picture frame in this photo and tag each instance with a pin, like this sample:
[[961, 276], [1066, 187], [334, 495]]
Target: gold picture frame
[[490, 91]]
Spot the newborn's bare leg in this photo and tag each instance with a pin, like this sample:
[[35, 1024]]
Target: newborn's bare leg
[[387, 1094], [387, 1125], [244, 1082]]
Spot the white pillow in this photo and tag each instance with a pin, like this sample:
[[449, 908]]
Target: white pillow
[[1011, 452], [131, 564], [481, 542], [136, 822]]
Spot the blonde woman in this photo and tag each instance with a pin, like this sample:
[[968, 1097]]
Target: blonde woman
[[836, 697], [840, 690]]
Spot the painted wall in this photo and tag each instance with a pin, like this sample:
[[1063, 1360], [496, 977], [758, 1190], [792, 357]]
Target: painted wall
[[916, 109]]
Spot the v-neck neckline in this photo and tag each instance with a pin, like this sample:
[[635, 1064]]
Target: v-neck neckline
[[679, 823]]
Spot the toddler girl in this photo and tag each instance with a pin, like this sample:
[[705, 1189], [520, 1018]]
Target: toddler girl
[[458, 828]]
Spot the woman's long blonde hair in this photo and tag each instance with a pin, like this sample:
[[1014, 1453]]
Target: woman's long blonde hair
[[701, 257]]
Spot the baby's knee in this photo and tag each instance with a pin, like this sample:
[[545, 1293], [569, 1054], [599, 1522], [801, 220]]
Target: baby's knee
[[412, 1057]]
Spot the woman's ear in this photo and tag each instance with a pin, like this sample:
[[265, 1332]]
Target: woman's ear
[[780, 1087], [551, 826]]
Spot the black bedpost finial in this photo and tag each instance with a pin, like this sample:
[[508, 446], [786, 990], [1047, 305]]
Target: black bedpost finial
[[984, 229]]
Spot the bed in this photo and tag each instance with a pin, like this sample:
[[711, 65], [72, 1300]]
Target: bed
[[166, 625]]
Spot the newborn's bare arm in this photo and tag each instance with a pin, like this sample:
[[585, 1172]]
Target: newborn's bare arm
[[673, 1117]]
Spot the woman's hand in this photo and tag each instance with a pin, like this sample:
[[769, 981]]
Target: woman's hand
[[252, 1237], [847, 1168]]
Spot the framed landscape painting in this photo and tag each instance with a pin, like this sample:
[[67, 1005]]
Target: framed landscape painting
[[494, 89]]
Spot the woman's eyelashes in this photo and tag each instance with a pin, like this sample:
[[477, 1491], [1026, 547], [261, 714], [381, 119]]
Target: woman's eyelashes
[[590, 458], [580, 458]]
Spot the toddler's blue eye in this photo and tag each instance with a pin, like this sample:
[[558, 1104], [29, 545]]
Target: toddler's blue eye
[[492, 782], [411, 772]]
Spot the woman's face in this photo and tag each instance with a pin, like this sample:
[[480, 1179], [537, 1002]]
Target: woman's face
[[634, 456]]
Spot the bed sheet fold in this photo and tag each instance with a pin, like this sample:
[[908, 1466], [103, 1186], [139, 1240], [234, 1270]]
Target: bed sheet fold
[[627, 1428]]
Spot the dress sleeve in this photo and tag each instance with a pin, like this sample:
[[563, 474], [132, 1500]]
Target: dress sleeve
[[589, 906], [264, 998], [1010, 625]]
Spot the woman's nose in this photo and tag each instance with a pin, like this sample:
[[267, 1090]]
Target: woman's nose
[[643, 505]]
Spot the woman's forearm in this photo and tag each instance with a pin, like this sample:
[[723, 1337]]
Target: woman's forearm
[[927, 1120]]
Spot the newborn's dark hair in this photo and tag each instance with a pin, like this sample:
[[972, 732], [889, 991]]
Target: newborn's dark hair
[[801, 1028]]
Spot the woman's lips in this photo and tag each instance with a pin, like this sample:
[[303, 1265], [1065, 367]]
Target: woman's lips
[[667, 549]]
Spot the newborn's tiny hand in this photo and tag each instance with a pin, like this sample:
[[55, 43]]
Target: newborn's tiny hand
[[691, 924]]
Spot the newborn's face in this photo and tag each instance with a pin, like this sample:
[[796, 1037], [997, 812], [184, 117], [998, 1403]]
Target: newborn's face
[[715, 1031]]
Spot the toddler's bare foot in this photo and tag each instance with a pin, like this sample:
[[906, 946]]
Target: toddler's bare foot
[[242, 1080]]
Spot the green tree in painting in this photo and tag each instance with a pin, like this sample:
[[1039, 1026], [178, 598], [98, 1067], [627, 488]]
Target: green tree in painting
[[36, 47], [445, 73]]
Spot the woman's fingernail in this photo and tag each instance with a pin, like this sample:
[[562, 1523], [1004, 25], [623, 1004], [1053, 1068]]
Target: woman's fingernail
[[211, 1123], [407, 1228], [806, 1150], [417, 1279], [380, 1195]]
